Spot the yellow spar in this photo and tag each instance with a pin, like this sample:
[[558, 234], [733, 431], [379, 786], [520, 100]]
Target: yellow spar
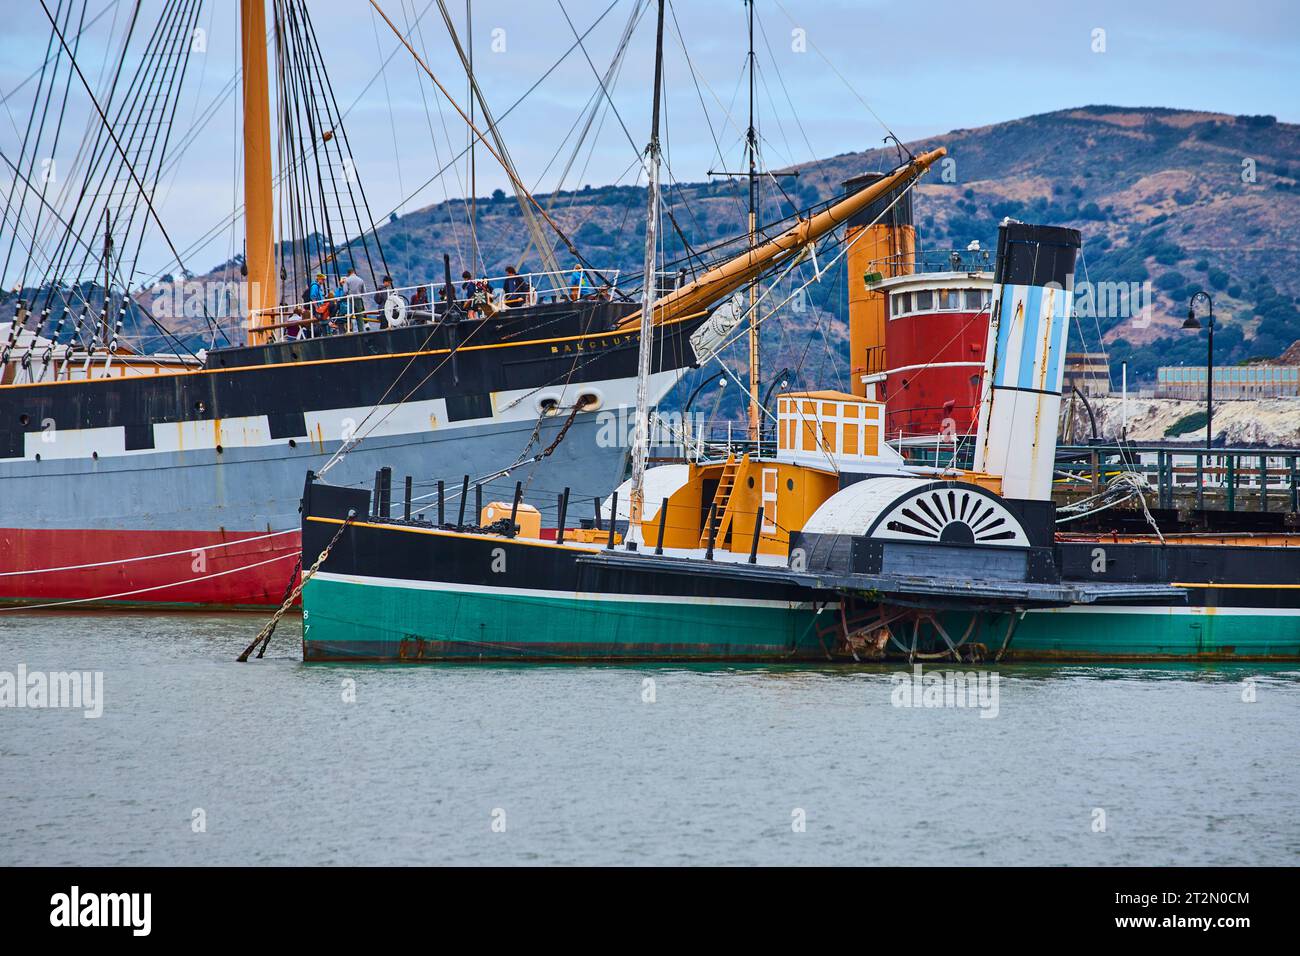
[[733, 274]]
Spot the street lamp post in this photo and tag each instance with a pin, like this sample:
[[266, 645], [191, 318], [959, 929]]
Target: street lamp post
[[1193, 323]]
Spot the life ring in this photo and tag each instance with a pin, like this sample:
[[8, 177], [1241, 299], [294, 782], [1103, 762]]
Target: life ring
[[395, 310]]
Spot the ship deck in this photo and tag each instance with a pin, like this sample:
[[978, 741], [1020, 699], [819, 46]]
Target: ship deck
[[909, 590]]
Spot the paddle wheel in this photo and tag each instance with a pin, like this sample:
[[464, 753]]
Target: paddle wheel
[[868, 630]]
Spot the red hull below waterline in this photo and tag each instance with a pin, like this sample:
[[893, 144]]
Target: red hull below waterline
[[223, 569]]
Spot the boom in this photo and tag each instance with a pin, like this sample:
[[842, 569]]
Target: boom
[[734, 274]]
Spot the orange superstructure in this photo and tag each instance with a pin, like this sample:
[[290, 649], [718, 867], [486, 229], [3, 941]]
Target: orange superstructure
[[881, 242]]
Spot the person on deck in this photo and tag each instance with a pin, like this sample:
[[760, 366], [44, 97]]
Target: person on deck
[[517, 288], [467, 285], [356, 287], [338, 309], [318, 306], [381, 299], [420, 305], [576, 279]]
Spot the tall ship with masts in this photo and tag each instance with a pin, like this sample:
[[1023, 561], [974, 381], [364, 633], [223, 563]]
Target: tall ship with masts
[[174, 478]]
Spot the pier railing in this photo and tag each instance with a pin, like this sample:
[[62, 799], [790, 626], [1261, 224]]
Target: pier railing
[[1234, 479]]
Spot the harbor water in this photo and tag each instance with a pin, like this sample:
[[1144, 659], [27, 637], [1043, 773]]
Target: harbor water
[[196, 759]]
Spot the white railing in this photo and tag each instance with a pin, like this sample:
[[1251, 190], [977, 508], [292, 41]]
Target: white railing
[[357, 312]]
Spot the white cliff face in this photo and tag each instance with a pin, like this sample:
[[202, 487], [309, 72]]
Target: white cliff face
[[1273, 421]]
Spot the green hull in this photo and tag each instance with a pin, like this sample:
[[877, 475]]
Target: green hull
[[358, 619], [1124, 633], [349, 620]]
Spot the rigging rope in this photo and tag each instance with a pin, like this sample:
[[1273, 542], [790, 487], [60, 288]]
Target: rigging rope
[[568, 243], [156, 587]]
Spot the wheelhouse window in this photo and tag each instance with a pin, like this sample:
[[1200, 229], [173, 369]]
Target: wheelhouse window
[[942, 300]]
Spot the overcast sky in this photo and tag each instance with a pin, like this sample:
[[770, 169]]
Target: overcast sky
[[830, 73]]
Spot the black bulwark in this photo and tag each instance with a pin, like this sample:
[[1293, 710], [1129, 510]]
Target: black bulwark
[[542, 321], [284, 391]]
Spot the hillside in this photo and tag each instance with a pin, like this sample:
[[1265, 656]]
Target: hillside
[[1159, 195]]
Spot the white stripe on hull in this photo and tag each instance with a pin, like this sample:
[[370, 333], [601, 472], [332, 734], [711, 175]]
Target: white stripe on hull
[[370, 581], [402, 583]]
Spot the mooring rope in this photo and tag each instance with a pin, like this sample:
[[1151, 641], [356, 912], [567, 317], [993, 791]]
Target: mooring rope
[[1124, 487], [156, 587], [264, 635]]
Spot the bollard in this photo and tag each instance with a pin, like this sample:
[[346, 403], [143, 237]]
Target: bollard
[[758, 529]]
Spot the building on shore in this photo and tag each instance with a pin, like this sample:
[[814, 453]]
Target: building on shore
[[1232, 381], [1089, 372]]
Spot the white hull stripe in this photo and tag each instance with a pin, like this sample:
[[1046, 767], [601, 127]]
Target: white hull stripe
[[404, 584], [1174, 611]]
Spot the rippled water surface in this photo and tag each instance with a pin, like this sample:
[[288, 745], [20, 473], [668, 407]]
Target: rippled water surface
[[580, 768]]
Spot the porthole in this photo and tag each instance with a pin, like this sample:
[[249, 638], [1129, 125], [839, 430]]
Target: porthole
[[23, 419], [94, 454], [292, 443], [789, 484], [38, 456], [200, 407], [751, 481], [220, 450]]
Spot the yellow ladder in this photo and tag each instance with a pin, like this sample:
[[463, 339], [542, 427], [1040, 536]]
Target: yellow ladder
[[721, 499]]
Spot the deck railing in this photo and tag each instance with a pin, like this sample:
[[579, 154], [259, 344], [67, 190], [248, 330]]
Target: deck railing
[[967, 261], [362, 311]]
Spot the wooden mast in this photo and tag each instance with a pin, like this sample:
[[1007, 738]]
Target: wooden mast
[[641, 437], [751, 146], [259, 238]]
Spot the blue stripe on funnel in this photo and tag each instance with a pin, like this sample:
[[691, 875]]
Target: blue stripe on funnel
[[1030, 349], [1059, 332], [1006, 319]]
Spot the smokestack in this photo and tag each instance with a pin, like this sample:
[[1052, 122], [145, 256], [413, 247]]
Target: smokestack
[[882, 241], [1033, 292]]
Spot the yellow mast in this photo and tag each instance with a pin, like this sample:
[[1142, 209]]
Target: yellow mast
[[730, 276], [259, 238]]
